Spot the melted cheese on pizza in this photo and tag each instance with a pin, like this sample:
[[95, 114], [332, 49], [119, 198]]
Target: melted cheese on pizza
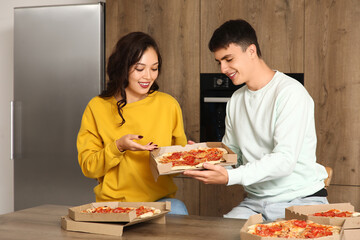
[[193, 158], [336, 213], [293, 229], [141, 212]]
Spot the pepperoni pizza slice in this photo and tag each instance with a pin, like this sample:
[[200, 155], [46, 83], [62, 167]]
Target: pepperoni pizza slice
[[192, 159], [336, 213], [141, 212]]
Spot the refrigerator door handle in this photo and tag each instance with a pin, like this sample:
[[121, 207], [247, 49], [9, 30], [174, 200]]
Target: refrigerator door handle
[[12, 130], [216, 99]]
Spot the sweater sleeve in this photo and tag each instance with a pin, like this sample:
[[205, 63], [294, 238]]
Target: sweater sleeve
[[294, 112], [94, 158]]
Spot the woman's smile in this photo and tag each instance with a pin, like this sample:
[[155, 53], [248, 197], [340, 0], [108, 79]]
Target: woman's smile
[[144, 84]]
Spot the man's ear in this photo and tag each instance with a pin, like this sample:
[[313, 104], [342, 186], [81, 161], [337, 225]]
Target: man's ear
[[251, 50]]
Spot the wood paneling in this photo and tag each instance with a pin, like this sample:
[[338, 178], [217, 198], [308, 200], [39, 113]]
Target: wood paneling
[[343, 193], [217, 200], [188, 192], [333, 78], [279, 25], [175, 26], [207, 200], [317, 37]]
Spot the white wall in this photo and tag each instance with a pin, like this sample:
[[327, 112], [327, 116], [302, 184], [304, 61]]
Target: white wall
[[6, 91]]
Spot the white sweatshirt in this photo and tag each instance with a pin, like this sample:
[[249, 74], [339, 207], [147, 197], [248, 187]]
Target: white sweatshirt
[[273, 132]]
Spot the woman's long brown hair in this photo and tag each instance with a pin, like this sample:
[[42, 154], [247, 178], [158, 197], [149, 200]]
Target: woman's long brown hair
[[128, 51]]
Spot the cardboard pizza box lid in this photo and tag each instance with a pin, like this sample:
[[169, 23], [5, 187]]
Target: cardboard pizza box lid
[[255, 219], [165, 169], [351, 234], [76, 214], [113, 229], [302, 213]]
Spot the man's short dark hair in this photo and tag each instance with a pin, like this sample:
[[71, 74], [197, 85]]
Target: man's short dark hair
[[237, 31]]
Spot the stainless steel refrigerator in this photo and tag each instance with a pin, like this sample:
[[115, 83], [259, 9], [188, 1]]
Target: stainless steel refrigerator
[[58, 68]]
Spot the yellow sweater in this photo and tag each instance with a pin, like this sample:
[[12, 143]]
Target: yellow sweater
[[126, 176]]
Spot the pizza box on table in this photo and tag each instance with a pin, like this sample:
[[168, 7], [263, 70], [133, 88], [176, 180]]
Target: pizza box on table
[[159, 169], [255, 219], [113, 228], [302, 213], [351, 226], [110, 223], [77, 214]]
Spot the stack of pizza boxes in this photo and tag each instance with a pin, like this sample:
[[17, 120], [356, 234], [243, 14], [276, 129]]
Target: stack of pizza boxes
[[158, 169], [79, 220], [350, 225]]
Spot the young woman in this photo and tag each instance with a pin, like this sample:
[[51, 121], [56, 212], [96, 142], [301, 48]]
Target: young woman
[[126, 121]]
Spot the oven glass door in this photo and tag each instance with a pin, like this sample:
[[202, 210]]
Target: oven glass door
[[212, 119], [215, 91]]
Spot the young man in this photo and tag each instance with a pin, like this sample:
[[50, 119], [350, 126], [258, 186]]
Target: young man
[[270, 126]]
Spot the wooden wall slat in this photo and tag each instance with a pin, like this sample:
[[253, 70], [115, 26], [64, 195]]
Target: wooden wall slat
[[217, 200], [343, 194], [279, 25], [111, 28], [175, 26], [332, 76], [188, 192]]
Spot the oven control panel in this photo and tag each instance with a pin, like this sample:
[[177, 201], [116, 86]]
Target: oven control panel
[[221, 82], [216, 81]]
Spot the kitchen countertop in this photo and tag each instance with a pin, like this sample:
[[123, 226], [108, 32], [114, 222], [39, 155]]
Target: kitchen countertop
[[43, 222]]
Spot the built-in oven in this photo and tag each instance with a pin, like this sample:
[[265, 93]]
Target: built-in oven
[[215, 90]]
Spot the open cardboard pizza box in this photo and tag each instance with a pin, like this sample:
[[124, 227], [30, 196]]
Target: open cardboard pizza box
[[114, 229], [254, 219], [159, 169], [77, 214], [351, 226]]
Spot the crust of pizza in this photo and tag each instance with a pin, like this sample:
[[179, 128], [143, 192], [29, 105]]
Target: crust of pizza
[[200, 165], [150, 214], [174, 168], [356, 214]]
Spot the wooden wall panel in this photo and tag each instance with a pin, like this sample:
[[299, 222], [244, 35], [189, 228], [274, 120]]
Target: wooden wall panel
[[332, 75], [217, 200], [343, 193], [175, 26], [279, 25], [318, 37], [188, 192]]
